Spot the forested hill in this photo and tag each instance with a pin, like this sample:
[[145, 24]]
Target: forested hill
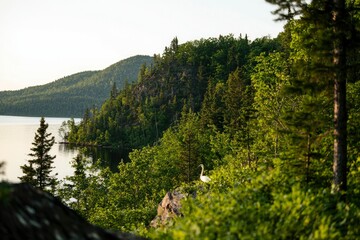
[[275, 122], [194, 75], [72, 95]]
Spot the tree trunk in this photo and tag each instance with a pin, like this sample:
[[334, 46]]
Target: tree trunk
[[340, 112], [189, 158], [308, 158]]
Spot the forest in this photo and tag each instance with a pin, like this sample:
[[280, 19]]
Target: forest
[[275, 122], [72, 95]]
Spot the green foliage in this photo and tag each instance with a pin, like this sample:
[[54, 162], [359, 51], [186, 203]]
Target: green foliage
[[354, 120], [256, 114], [73, 188], [269, 78], [259, 206], [182, 77], [119, 200], [324, 39], [37, 173]]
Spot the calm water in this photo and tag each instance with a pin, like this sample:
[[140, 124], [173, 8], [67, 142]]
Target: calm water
[[16, 136]]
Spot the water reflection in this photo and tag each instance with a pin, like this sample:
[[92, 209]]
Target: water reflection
[[108, 157], [64, 148], [17, 135], [16, 138]]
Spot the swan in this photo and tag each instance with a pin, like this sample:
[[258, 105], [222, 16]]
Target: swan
[[202, 177]]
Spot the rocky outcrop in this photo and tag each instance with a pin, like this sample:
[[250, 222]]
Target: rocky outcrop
[[168, 208], [28, 213]]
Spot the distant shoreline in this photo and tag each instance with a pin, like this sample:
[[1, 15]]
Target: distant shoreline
[[87, 145]]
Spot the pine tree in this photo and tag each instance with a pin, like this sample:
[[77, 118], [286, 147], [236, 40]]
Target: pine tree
[[238, 101], [331, 36], [2, 164], [37, 173], [113, 92]]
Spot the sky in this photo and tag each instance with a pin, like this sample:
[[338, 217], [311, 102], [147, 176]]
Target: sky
[[45, 40]]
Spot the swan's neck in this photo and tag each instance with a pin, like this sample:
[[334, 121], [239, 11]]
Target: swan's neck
[[202, 171]]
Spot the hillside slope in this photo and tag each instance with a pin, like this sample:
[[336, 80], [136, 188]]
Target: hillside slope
[[193, 75], [71, 95]]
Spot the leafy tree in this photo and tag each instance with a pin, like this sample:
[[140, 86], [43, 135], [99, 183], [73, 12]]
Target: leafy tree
[[73, 188], [354, 120], [37, 173], [269, 78], [65, 128]]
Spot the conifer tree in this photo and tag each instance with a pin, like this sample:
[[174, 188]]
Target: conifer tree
[[2, 164], [190, 143], [331, 36], [238, 101], [37, 173], [114, 91]]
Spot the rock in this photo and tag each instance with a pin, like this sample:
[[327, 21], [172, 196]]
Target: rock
[[168, 209], [29, 213]]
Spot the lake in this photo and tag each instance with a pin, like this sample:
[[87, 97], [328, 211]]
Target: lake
[[16, 136]]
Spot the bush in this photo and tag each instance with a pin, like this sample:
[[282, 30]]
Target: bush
[[255, 208]]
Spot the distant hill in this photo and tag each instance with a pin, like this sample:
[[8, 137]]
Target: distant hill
[[71, 95]]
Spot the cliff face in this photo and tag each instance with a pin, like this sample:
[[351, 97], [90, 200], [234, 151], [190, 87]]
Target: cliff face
[[28, 213]]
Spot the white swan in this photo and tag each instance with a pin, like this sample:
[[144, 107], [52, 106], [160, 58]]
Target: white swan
[[202, 177]]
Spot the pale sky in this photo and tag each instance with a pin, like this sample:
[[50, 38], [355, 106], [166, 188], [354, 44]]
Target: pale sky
[[44, 40]]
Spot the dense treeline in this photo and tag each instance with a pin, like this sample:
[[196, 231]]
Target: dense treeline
[[72, 95], [189, 75], [258, 114]]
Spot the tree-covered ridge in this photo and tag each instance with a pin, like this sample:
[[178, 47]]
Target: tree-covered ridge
[[189, 76], [72, 95], [258, 114]]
